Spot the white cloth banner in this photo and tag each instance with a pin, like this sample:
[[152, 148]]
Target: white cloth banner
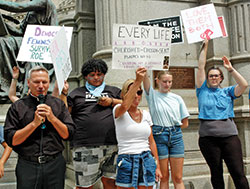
[[136, 45], [200, 23]]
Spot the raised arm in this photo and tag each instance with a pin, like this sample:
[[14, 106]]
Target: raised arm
[[22, 6], [130, 95], [201, 74], [241, 82], [12, 91], [146, 83], [64, 92]]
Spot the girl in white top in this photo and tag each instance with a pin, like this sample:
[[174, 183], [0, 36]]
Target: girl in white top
[[135, 164]]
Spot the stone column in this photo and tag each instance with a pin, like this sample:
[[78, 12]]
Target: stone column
[[239, 35], [108, 12], [83, 40]]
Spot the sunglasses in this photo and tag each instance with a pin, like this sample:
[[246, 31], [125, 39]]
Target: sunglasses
[[139, 93], [214, 75]]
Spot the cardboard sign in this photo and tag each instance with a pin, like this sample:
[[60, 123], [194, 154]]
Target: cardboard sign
[[200, 23], [170, 22], [36, 42], [60, 57], [135, 46]]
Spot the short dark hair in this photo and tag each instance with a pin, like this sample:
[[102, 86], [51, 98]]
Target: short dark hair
[[93, 65], [216, 68]]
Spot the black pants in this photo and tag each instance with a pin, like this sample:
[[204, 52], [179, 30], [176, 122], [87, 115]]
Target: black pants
[[216, 149], [31, 175]]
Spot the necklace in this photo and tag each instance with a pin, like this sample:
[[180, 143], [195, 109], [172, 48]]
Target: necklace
[[136, 116]]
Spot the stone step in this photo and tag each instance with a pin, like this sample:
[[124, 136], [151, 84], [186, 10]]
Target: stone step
[[9, 185], [9, 176], [69, 184], [70, 174]]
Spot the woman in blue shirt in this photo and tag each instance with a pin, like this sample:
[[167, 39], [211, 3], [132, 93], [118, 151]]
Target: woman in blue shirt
[[218, 133]]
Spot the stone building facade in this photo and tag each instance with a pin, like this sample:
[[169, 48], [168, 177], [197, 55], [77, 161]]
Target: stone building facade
[[92, 37]]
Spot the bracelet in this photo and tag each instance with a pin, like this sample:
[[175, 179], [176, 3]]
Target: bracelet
[[15, 79], [111, 104], [64, 93], [230, 71]]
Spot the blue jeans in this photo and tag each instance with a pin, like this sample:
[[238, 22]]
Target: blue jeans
[[135, 170], [169, 141]]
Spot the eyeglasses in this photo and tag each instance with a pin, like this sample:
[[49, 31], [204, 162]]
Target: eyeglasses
[[139, 93], [214, 75]]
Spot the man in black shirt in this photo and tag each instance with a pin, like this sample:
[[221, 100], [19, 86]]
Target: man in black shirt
[[35, 127], [94, 142]]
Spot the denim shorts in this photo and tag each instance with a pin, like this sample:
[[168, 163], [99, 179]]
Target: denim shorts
[[135, 170], [169, 141]]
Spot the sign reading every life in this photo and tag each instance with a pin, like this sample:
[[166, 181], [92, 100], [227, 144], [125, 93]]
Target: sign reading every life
[[136, 45], [35, 45]]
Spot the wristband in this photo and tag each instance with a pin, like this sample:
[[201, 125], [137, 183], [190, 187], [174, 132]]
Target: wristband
[[64, 93], [15, 79], [230, 71]]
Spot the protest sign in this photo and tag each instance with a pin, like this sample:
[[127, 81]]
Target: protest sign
[[223, 26], [173, 22], [200, 23], [60, 57], [36, 41], [135, 46]]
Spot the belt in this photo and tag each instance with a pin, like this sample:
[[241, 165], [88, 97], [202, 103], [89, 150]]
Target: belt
[[40, 159]]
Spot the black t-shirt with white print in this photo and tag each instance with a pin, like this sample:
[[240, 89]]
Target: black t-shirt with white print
[[94, 123]]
